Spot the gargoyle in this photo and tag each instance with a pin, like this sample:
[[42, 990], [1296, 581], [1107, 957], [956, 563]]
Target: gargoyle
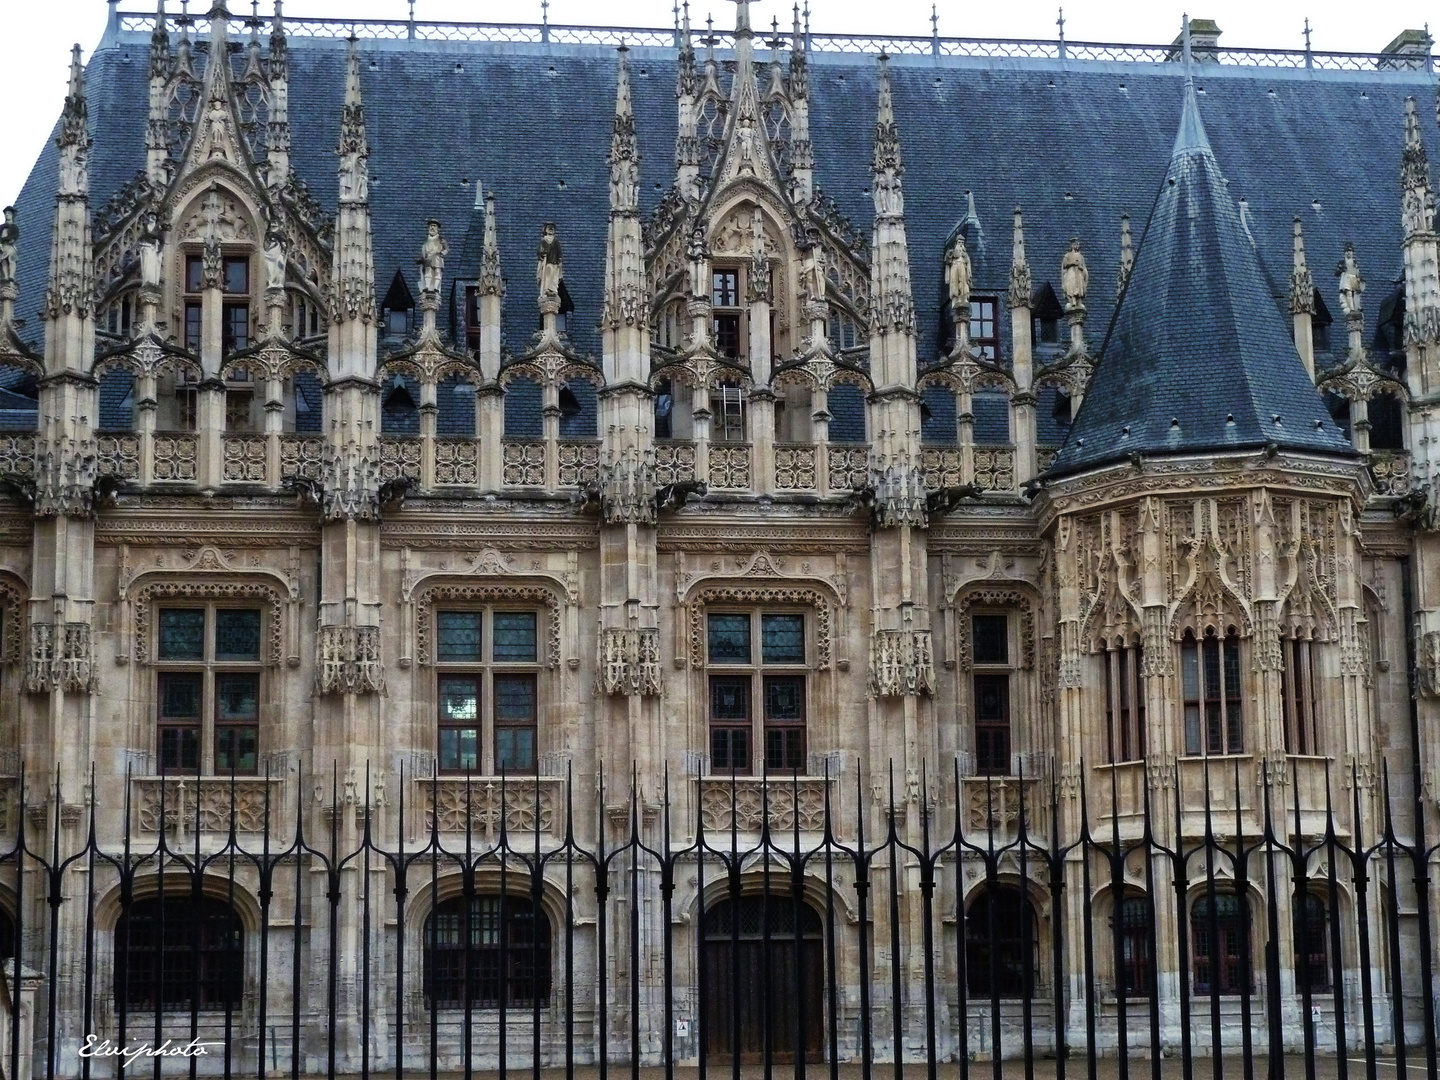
[[942, 501], [675, 496]]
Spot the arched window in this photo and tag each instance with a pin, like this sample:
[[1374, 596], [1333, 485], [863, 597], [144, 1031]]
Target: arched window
[[1219, 944], [1312, 944], [400, 406], [1133, 923], [506, 961], [168, 950], [1210, 680], [1001, 944]]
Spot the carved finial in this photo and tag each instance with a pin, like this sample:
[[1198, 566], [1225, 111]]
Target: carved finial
[[934, 21], [1020, 287], [624, 159], [797, 40], [1127, 255], [887, 138], [74, 139], [354, 147], [1417, 211], [1302, 285], [1307, 34], [492, 282]]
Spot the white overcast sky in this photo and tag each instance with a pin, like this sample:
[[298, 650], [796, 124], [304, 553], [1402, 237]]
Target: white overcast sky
[[38, 35]]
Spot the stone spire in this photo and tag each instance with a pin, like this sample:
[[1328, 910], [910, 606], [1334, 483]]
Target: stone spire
[[277, 141], [1421, 252], [352, 307], [687, 138], [899, 486], [746, 152], [1127, 256], [802, 155], [157, 129], [1197, 323], [624, 322], [71, 260], [9, 259], [1020, 282], [1302, 303], [492, 293]]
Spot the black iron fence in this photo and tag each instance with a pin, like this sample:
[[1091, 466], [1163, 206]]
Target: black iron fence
[[802, 923]]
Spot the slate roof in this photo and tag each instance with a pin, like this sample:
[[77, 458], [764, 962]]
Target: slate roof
[[1199, 357], [1074, 143]]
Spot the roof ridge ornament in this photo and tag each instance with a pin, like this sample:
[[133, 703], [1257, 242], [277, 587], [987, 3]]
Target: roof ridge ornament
[[1302, 285], [1127, 256], [1020, 280]]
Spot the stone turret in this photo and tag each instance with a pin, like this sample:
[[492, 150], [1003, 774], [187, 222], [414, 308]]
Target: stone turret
[[277, 140], [352, 309]]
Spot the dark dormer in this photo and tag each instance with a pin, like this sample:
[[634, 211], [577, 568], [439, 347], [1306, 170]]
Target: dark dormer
[[1045, 309], [1390, 329], [399, 309], [1320, 324]]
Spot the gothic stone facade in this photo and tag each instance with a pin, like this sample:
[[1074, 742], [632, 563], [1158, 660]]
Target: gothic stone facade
[[749, 476]]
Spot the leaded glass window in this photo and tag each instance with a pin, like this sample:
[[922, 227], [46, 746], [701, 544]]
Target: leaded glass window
[[782, 639], [182, 634], [729, 639], [990, 692], [762, 710], [488, 698], [990, 638], [237, 634], [207, 689]]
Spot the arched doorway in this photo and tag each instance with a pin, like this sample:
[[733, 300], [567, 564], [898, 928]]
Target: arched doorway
[[745, 940]]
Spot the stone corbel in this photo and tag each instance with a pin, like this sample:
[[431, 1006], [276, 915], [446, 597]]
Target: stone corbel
[[901, 663], [348, 660], [59, 658], [629, 661]]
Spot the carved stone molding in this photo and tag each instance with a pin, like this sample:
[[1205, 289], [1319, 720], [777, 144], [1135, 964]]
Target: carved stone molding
[[59, 658], [213, 798], [479, 591], [453, 804], [901, 663], [746, 801], [629, 661], [219, 589], [12, 621], [760, 594], [348, 660], [1427, 674], [992, 595]]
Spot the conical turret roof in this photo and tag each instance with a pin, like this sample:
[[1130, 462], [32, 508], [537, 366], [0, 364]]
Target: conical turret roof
[[1199, 357]]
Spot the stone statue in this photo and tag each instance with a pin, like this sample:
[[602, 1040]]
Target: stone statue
[[813, 277], [958, 278], [887, 196], [697, 251], [150, 252], [1352, 286], [549, 266], [9, 238], [432, 258], [623, 186], [1074, 276], [274, 257], [215, 127]]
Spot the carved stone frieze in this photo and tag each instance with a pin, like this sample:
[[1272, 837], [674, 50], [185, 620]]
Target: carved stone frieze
[[212, 802], [348, 660], [629, 661], [744, 803], [901, 663]]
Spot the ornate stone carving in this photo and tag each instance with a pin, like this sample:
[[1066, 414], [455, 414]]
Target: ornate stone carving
[[455, 804], [729, 466], [795, 468], [59, 658], [523, 463], [243, 458], [578, 462], [263, 591], [760, 594], [302, 456], [674, 463], [118, 456], [457, 462], [176, 457], [216, 801], [995, 596], [899, 497], [12, 622], [746, 801], [849, 467], [901, 663], [64, 479], [629, 661], [348, 660]]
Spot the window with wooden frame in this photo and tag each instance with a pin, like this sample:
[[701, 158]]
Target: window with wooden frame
[[177, 952], [1133, 923], [757, 672], [1211, 686], [487, 690], [1218, 944], [984, 326], [1299, 700], [1124, 702], [990, 684], [725, 311], [1312, 945], [207, 689], [497, 953]]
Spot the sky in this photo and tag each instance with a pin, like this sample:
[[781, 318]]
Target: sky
[[39, 35]]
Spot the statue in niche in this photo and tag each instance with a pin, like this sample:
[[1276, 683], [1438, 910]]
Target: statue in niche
[[1352, 286], [1074, 276], [958, 276], [698, 252], [887, 196], [9, 240], [150, 240], [813, 277], [432, 258], [549, 266], [274, 255], [215, 121], [623, 186]]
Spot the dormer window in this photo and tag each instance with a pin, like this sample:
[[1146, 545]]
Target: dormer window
[[399, 307], [1320, 321], [1046, 310], [471, 296], [984, 334], [725, 304], [235, 283]]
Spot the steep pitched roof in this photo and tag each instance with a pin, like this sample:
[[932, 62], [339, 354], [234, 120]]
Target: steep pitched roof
[[1199, 357]]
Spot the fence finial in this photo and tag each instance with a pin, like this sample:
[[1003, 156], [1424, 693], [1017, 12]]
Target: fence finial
[[1060, 22], [1309, 61]]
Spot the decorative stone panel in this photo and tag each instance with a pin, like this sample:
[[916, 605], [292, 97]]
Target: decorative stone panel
[[1390, 469], [849, 467], [12, 621], [901, 663], [59, 658], [397, 458], [523, 463], [795, 468], [244, 458], [118, 456], [176, 457], [995, 468], [1045, 457], [579, 463], [745, 802], [348, 660], [302, 456], [674, 463], [994, 803], [629, 661], [17, 455], [457, 462], [215, 799], [941, 466], [730, 465], [455, 804]]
